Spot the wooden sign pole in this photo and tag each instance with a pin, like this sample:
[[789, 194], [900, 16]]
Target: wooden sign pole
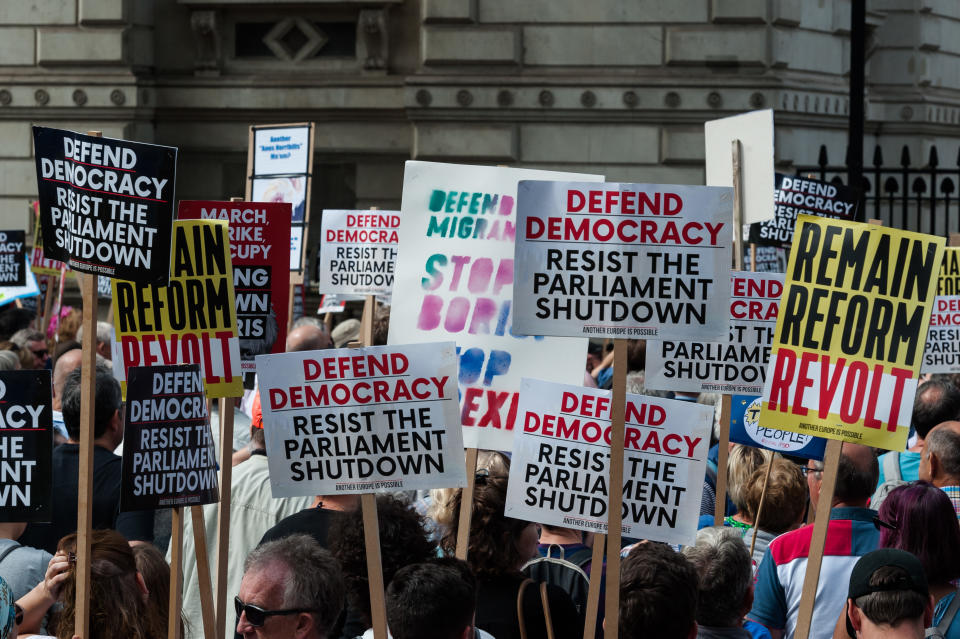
[[176, 573], [371, 529], [763, 495], [615, 498], [223, 513], [593, 593], [726, 401], [207, 611], [47, 302], [831, 462], [466, 506], [88, 391]]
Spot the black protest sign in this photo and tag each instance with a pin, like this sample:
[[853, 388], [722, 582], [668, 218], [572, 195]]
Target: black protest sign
[[26, 446], [13, 253], [168, 455], [106, 205], [794, 196]]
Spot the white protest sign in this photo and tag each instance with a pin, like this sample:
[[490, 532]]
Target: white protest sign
[[623, 260], [11, 293], [358, 251], [737, 365], [755, 132], [282, 151], [561, 459], [361, 420], [941, 354], [454, 281]]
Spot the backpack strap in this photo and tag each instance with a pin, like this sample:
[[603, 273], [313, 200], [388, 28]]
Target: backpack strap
[[891, 467], [580, 557], [941, 628], [14, 545]]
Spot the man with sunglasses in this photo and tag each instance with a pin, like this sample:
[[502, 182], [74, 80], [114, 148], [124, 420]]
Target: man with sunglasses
[[292, 588], [36, 343]]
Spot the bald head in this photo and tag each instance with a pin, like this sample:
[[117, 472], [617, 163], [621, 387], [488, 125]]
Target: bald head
[[940, 459], [857, 475], [66, 363], [308, 338]]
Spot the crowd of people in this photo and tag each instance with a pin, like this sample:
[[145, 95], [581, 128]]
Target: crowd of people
[[297, 567]]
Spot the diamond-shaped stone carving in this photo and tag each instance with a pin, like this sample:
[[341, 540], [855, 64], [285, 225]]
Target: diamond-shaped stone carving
[[295, 39]]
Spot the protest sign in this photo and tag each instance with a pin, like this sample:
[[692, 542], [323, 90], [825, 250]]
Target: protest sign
[[39, 263], [754, 130], [26, 446], [850, 332], [280, 169], [623, 260], [13, 262], [358, 251], [337, 303], [941, 354], [561, 457], [106, 205], [259, 235], [361, 420], [735, 365], [766, 259], [455, 275], [168, 454], [30, 289], [191, 321], [745, 429], [795, 195]]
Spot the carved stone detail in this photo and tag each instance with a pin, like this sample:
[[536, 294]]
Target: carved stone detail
[[372, 40], [206, 38]]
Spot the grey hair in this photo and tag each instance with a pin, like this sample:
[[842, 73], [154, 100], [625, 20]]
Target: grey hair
[[308, 321], [724, 574], [9, 361], [945, 444], [104, 333], [313, 582], [24, 335]]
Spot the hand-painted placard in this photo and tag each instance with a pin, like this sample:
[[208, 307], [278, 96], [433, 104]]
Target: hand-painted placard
[[745, 429], [191, 321], [362, 420], [26, 446], [736, 365], [850, 332], [623, 260], [259, 236], [168, 454], [795, 195], [106, 205], [358, 251], [454, 281], [561, 458], [942, 351]]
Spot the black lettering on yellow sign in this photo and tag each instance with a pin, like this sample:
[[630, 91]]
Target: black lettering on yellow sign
[[949, 281]]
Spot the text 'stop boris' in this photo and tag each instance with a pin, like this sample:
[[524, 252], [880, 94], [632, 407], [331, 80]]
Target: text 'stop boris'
[[106, 206], [623, 260]]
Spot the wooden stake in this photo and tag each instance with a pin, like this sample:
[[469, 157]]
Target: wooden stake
[[831, 462], [615, 500], [954, 239], [176, 574], [48, 303], [223, 514], [207, 611], [593, 594], [723, 451], [753, 257], [763, 494], [88, 391], [366, 322], [466, 506], [371, 537], [737, 149]]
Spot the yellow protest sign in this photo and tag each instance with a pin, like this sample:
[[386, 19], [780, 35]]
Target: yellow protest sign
[[849, 339], [190, 321]]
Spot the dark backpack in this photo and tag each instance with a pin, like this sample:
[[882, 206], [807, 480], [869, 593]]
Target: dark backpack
[[564, 571], [892, 479]]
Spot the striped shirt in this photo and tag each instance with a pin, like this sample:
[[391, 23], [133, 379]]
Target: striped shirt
[[953, 492]]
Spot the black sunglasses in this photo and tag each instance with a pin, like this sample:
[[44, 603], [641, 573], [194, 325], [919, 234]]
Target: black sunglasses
[[257, 616], [18, 614]]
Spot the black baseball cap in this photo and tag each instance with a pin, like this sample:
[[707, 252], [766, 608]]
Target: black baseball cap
[[913, 578]]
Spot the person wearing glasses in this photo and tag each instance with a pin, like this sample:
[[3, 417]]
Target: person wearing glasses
[[851, 534], [34, 342], [292, 588]]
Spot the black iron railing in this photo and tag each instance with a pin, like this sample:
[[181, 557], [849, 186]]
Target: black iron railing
[[912, 198]]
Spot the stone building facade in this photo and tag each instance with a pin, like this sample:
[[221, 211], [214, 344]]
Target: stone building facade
[[618, 87]]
